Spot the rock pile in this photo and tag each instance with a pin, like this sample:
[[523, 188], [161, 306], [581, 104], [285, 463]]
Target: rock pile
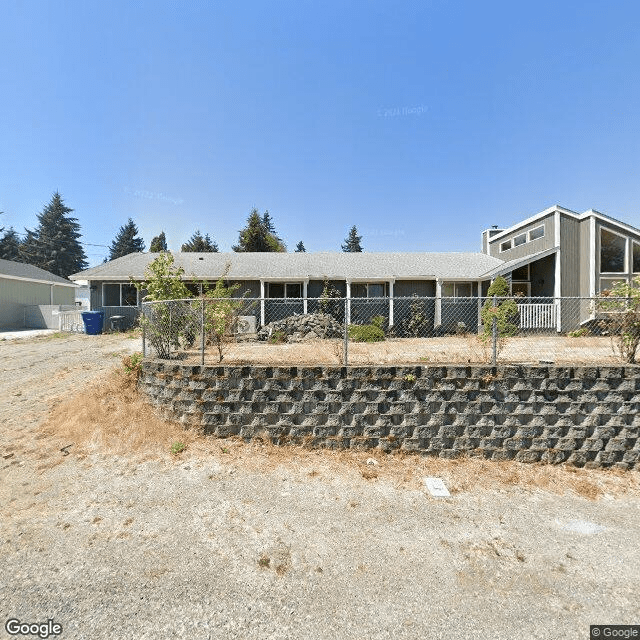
[[298, 328]]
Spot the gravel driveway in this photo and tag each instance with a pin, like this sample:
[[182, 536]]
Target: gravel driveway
[[224, 544]]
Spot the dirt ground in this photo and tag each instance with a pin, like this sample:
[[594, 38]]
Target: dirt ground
[[446, 350], [106, 532]]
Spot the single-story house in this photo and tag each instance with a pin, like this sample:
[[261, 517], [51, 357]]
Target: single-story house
[[552, 254], [28, 295]]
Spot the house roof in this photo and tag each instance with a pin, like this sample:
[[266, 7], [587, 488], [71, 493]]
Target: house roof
[[22, 271], [516, 263], [279, 266]]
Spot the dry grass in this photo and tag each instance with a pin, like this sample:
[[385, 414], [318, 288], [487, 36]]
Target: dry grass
[[111, 417], [463, 349]]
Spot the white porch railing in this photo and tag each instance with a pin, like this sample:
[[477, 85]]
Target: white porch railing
[[71, 321], [538, 315]]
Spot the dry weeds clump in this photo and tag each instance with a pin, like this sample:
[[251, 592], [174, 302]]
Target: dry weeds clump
[[112, 417]]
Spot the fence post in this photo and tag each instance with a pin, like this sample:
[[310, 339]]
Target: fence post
[[144, 336], [494, 334], [202, 332], [346, 334]]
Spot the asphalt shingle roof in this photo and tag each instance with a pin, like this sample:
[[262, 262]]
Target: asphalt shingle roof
[[252, 266], [29, 272]]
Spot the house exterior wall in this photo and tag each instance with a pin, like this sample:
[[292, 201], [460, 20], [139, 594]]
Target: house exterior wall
[[585, 251], [407, 288], [542, 275], [526, 249], [570, 258], [15, 295]]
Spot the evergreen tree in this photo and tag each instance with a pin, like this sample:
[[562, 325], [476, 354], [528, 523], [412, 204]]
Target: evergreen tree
[[159, 243], [352, 242], [199, 244], [300, 247], [256, 235], [126, 241], [54, 245], [10, 245]]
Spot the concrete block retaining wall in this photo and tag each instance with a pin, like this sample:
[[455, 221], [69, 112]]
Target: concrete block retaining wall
[[587, 416]]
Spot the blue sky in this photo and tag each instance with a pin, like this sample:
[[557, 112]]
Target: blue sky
[[422, 123]]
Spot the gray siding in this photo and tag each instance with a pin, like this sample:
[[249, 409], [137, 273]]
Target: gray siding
[[570, 258], [541, 244], [250, 286], [585, 250], [406, 288]]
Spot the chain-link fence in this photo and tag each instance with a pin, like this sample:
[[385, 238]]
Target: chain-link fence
[[388, 330]]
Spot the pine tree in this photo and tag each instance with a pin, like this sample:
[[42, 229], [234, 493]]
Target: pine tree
[[300, 247], [54, 244], [159, 243], [197, 243], [126, 241], [352, 242], [256, 236], [10, 245]]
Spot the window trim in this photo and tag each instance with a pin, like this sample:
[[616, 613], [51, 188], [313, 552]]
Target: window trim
[[455, 284], [536, 229], [385, 286], [520, 236], [285, 285], [120, 285], [625, 260], [503, 246], [633, 244]]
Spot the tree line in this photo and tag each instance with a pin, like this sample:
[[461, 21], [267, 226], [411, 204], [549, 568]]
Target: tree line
[[54, 244]]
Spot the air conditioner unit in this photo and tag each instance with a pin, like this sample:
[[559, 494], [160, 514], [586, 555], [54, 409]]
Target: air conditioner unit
[[246, 325]]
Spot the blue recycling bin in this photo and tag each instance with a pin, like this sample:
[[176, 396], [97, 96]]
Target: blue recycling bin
[[93, 321]]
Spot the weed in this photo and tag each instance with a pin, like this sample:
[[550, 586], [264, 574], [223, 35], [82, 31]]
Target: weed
[[264, 562], [177, 447], [133, 364], [410, 377], [579, 333], [277, 337], [365, 333]]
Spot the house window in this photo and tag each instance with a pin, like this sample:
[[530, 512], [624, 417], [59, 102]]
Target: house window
[[521, 274], [456, 289], [369, 290], [612, 252], [119, 295], [284, 290], [521, 289], [505, 246], [607, 284], [536, 233], [521, 239], [636, 257]]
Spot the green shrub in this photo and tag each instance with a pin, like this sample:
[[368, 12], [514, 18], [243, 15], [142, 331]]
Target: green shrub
[[579, 333], [178, 447], [277, 337], [365, 333], [378, 321], [133, 364]]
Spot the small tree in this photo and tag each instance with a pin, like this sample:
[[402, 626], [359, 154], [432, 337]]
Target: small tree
[[352, 242], [329, 300], [159, 243], [621, 304], [417, 324], [199, 244], [165, 323], [221, 312], [300, 247], [505, 312]]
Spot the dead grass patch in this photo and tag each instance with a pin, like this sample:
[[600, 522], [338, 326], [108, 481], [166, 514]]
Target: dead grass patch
[[110, 416]]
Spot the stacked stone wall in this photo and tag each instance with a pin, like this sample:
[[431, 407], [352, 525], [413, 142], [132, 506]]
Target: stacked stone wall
[[586, 416]]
